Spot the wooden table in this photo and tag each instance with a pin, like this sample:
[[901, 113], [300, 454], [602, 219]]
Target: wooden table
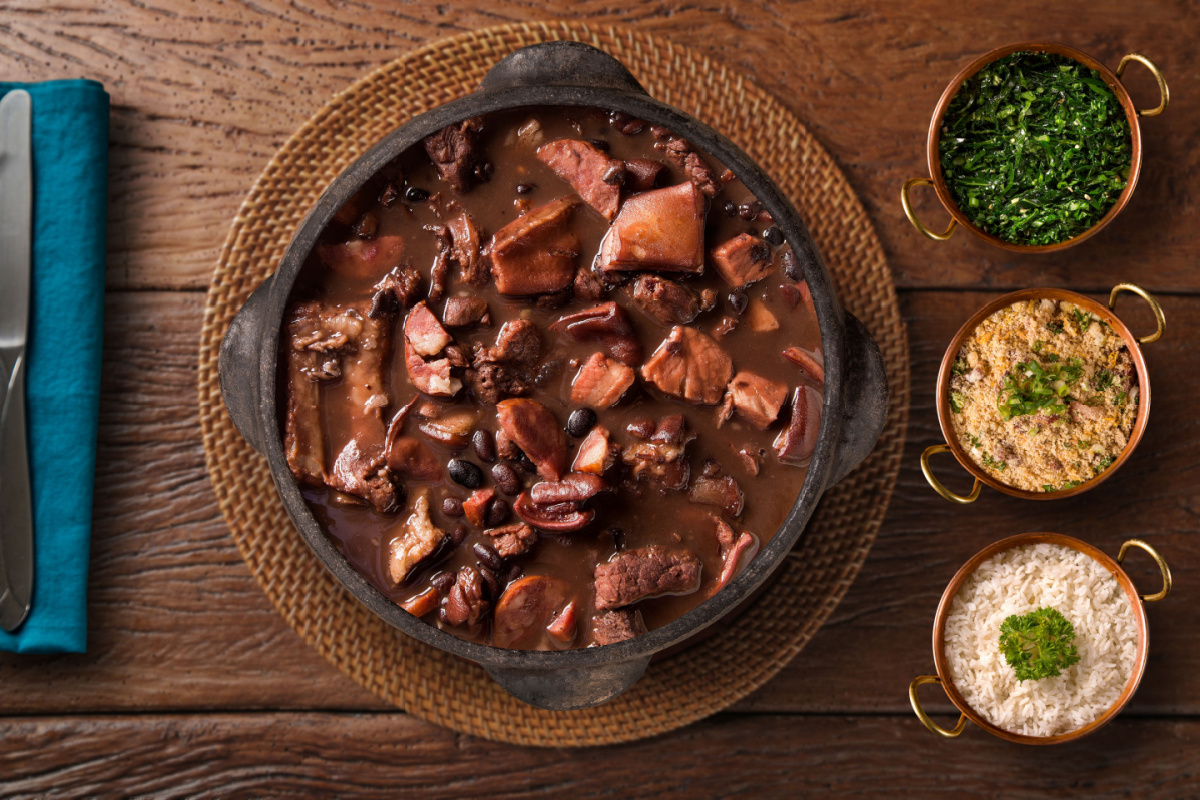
[[194, 685]]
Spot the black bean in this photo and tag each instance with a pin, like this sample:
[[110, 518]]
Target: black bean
[[580, 422], [791, 266], [738, 301], [618, 537], [600, 144], [513, 573], [491, 586], [465, 473], [773, 235], [485, 445], [749, 211], [452, 507], [730, 208], [416, 195], [487, 555], [525, 188], [614, 175], [443, 581], [525, 463], [641, 428], [458, 533], [506, 479], [497, 513]]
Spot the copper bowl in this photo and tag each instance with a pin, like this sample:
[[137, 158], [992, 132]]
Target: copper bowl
[[1137, 603], [952, 444], [1109, 77]]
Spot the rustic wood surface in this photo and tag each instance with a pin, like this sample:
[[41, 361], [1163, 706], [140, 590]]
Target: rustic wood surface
[[193, 685]]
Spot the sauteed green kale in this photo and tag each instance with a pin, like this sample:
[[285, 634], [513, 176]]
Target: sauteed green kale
[[1035, 148]]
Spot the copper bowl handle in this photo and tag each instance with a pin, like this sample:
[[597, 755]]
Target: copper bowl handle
[[1164, 92], [920, 712], [1158, 559], [1159, 317], [912, 216], [937, 485]]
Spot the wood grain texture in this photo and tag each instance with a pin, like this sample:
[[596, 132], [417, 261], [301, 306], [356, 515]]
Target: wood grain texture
[[177, 622], [392, 755], [204, 92]]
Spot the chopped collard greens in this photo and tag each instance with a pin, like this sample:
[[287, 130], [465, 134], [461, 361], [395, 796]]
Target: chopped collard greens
[[1035, 148]]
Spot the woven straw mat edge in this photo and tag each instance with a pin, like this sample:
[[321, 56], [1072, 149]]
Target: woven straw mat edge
[[424, 681]]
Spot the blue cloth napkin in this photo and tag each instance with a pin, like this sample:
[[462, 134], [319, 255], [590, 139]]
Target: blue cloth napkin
[[66, 324]]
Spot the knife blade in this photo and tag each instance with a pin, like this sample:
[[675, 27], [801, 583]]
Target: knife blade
[[16, 212]]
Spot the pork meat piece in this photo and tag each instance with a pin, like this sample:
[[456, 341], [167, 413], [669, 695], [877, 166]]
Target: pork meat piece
[[642, 174], [361, 471], [535, 429], [812, 364], [463, 312], [423, 331], [722, 491], [601, 382], [609, 324], [596, 453], [694, 166], [363, 259], [634, 575], [315, 339], [756, 399], [431, 377], [465, 249], [535, 254], [691, 366], [507, 369], [660, 230], [737, 550], [417, 539], [796, 442], [455, 150], [742, 260], [591, 173], [466, 603], [669, 302], [512, 540], [395, 292], [660, 456], [611, 627]]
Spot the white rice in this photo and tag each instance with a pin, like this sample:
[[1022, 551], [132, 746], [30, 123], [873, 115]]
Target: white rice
[[1020, 580]]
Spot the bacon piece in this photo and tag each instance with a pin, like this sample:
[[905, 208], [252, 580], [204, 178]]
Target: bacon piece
[[564, 624], [756, 399], [534, 429], [742, 260], [796, 442], [596, 453], [416, 540], [431, 377], [535, 254], [608, 324], [810, 363], [601, 382], [454, 150], [691, 366], [476, 506], [363, 259], [660, 230], [423, 331], [659, 456], [585, 167]]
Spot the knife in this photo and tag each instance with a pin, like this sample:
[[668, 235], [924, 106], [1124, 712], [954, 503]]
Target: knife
[[16, 507]]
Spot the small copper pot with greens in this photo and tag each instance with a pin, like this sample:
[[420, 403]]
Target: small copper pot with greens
[[1034, 147], [1043, 394]]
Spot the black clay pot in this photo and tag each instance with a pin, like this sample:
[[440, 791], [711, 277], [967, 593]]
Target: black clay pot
[[855, 404]]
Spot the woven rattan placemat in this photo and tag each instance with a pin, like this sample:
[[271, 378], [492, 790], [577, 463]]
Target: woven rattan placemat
[[426, 682]]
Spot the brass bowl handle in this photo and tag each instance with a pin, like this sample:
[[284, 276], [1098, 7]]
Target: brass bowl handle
[[1158, 76], [912, 217], [1162, 565], [937, 485], [1149, 298], [921, 715]]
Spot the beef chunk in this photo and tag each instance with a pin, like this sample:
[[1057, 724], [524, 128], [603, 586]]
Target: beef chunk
[[661, 230], [490, 383], [396, 292], [416, 540], [634, 575], [601, 382], [586, 285], [585, 167], [512, 540], [659, 455], [518, 344], [462, 312], [534, 428], [756, 399], [697, 169], [509, 368], [466, 603], [596, 454], [608, 324], [535, 254], [455, 151], [363, 259], [617, 626], [464, 248], [796, 442], [691, 366], [642, 174], [669, 302], [742, 260], [360, 470]]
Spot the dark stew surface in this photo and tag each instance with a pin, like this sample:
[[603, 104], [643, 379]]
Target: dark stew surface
[[551, 379]]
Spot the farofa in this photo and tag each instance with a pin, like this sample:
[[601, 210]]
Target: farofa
[[1092, 405]]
